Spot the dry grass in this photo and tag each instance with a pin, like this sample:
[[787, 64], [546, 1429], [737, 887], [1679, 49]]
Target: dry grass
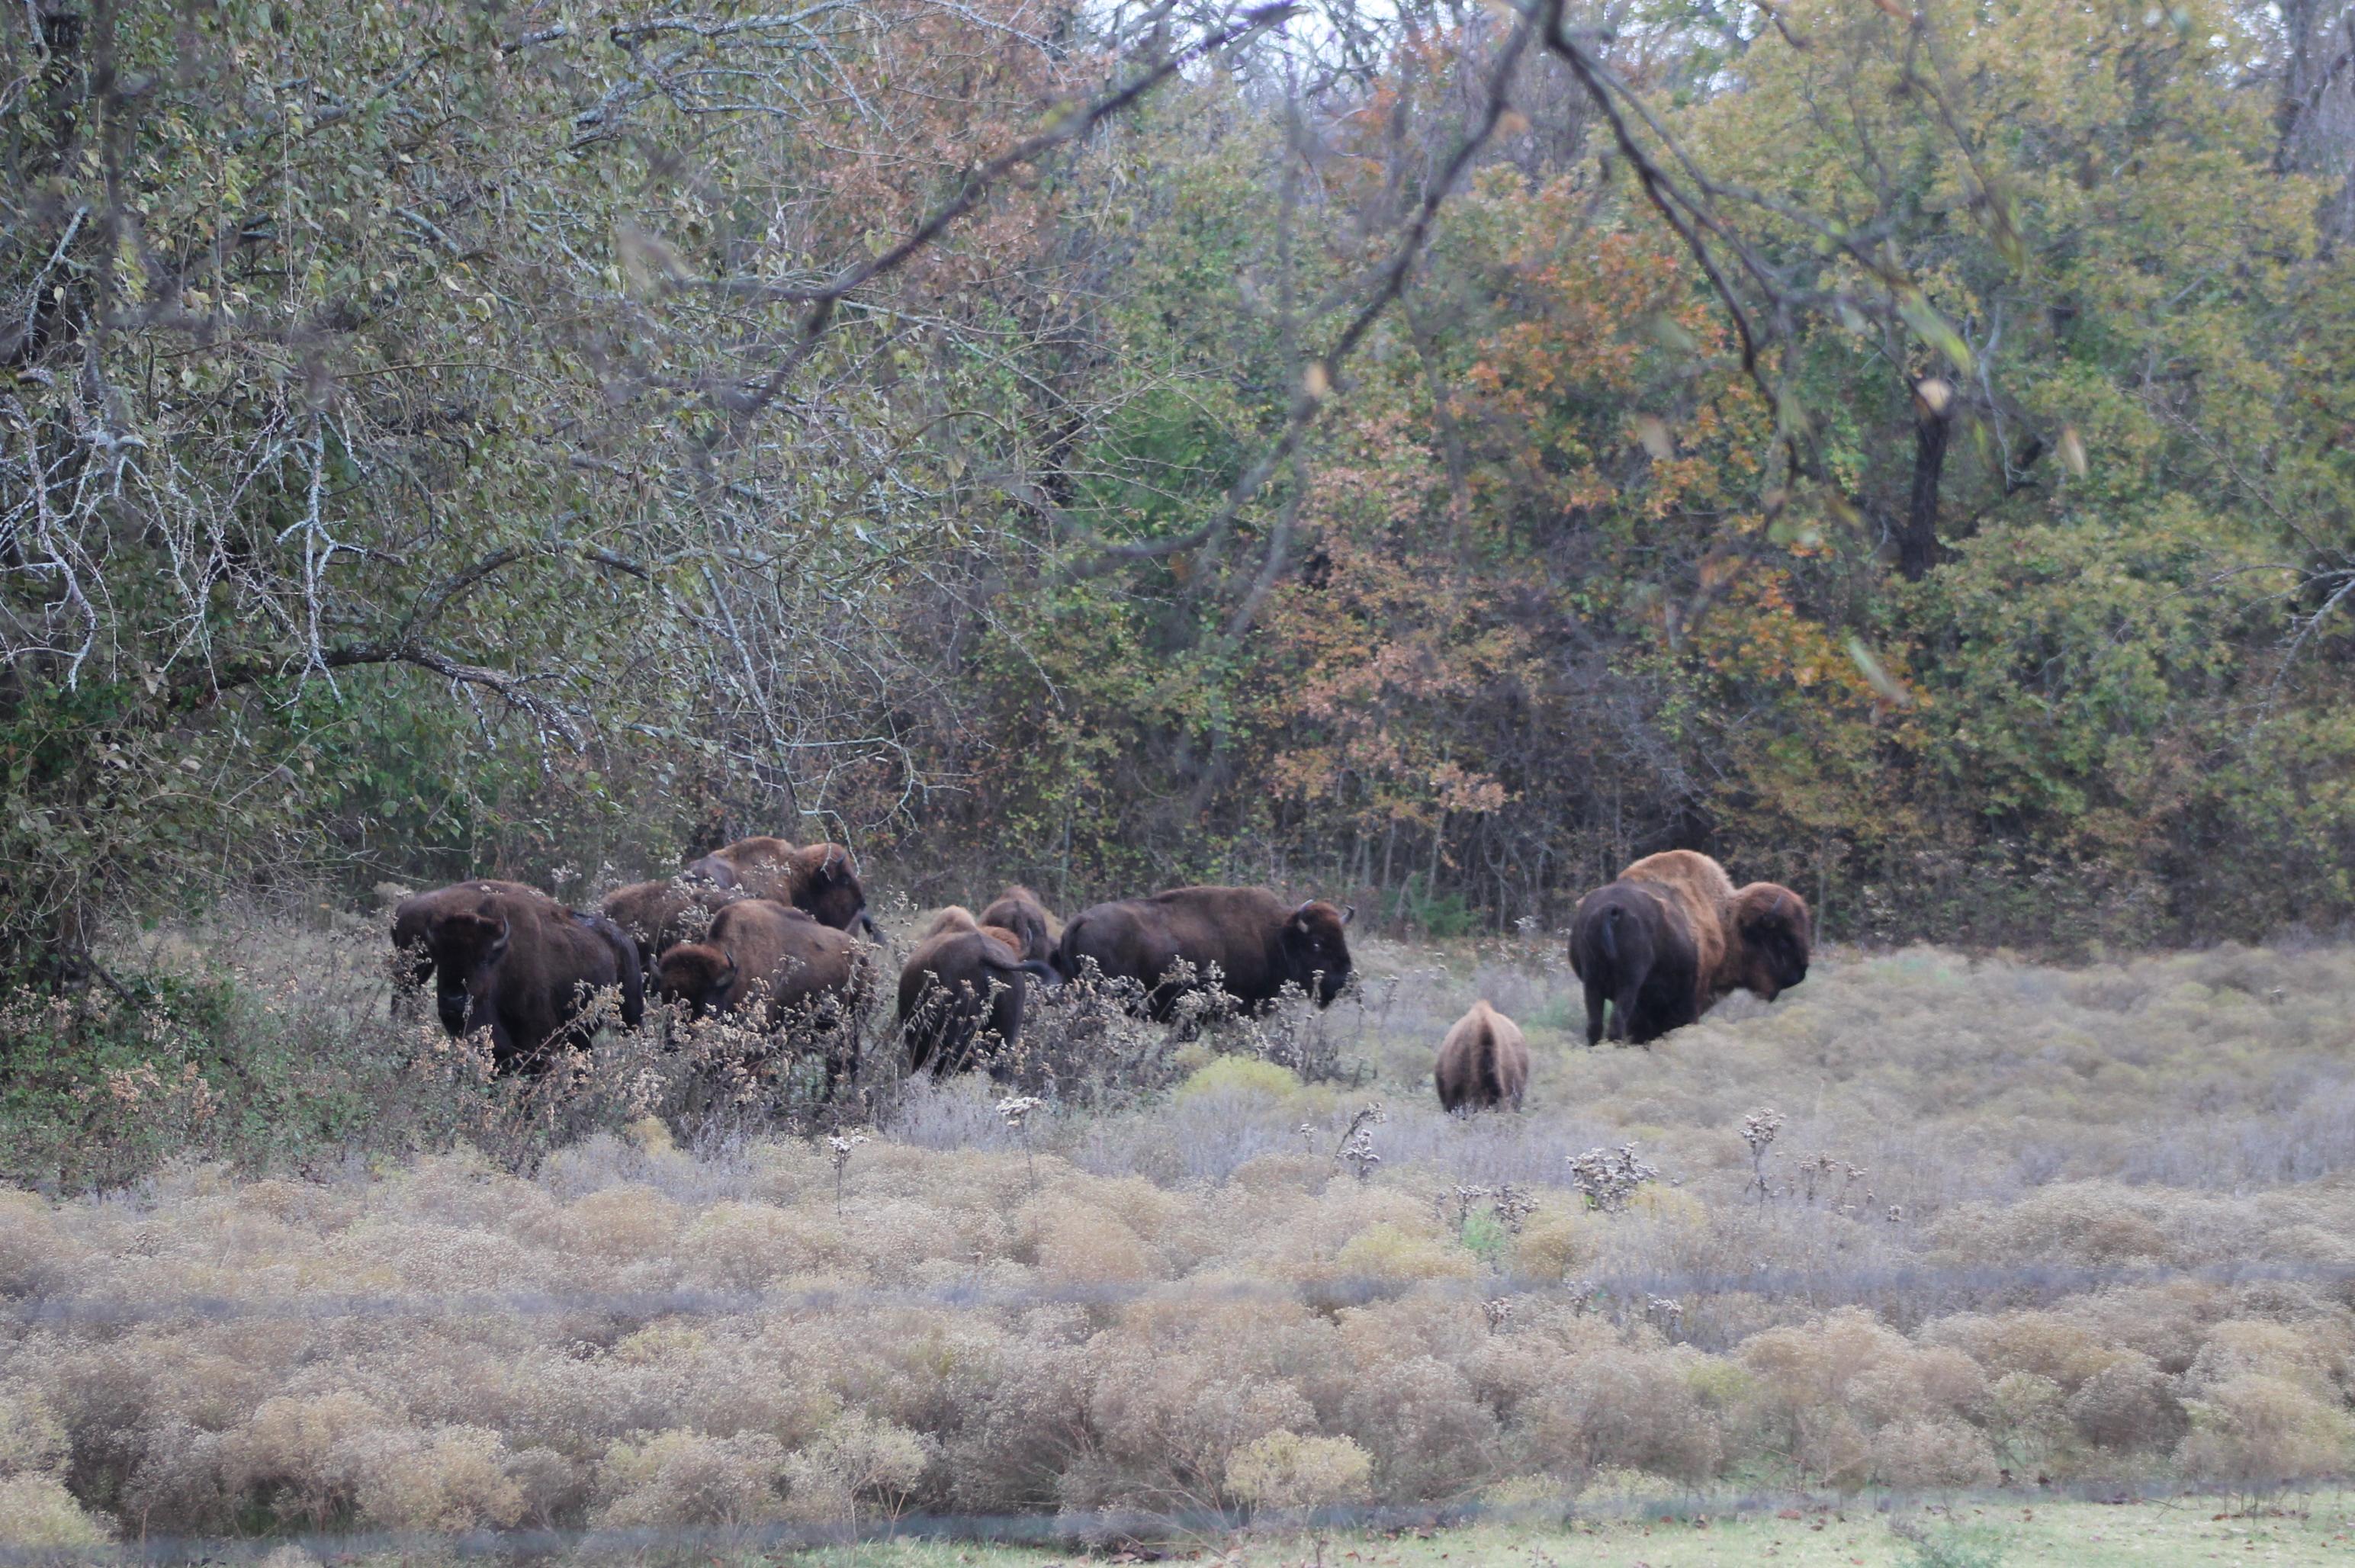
[[2012, 1221]]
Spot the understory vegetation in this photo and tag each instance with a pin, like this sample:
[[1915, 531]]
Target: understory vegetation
[[1928, 1223], [1434, 452]]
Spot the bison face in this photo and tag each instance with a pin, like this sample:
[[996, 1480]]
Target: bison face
[[1776, 932], [827, 888], [466, 949], [699, 975], [1316, 951]]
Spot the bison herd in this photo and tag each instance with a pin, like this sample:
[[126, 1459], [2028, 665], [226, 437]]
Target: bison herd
[[765, 931]]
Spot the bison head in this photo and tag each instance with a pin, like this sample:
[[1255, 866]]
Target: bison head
[[1772, 926], [710, 869], [699, 975], [466, 945], [1316, 953], [825, 884]]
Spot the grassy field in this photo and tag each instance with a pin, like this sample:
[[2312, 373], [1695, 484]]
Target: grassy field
[[2078, 1534], [1929, 1222]]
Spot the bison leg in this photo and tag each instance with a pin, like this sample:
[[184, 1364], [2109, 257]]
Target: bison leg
[[1623, 1011], [1596, 999]]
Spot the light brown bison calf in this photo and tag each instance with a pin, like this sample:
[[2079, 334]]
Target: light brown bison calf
[[1483, 1063]]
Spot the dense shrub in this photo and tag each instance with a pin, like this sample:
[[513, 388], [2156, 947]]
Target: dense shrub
[[1169, 1300]]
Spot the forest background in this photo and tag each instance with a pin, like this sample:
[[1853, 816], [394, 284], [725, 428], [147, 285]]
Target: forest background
[[1430, 455]]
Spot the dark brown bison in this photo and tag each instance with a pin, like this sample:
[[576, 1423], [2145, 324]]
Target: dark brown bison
[[1756, 938], [1483, 1063], [963, 986], [525, 968], [1017, 909], [1631, 946], [1259, 942], [660, 915], [770, 953], [412, 960], [820, 879]]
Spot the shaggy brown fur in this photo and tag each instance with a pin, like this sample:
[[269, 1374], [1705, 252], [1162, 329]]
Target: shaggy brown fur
[[524, 968], [1483, 1063], [1773, 937], [762, 950], [963, 982], [1259, 942], [412, 960], [1756, 938], [821, 879], [750, 863], [1630, 945], [660, 915], [758, 946], [1702, 892], [1018, 909]]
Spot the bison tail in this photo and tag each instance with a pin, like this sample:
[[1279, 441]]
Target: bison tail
[[634, 980], [1049, 973], [1609, 936], [1484, 1048]]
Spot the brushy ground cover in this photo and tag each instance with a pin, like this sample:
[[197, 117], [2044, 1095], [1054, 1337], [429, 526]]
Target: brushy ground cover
[[1929, 1224], [2082, 1534]]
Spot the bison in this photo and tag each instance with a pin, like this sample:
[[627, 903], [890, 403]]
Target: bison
[[819, 879], [1259, 942], [1675, 919], [659, 915], [965, 979], [754, 863], [1483, 1063], [1017, 909], [1633, 947], [761, 950], [412, 960], [524, 967]]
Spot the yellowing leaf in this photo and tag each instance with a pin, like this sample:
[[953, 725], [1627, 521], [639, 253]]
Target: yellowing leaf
[[1877, 675], [1653, 431], [1933, 330], [1934, 393], [1316, 382], [2073, 451]]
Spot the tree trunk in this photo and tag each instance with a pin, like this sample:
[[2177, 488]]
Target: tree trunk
[[1918, 547]]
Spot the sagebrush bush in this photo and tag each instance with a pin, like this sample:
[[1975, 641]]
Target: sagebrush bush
[[685, 1478], [1972, 1252]]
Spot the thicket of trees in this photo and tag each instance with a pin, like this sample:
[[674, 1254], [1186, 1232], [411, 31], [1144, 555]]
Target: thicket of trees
[[1434, 454]]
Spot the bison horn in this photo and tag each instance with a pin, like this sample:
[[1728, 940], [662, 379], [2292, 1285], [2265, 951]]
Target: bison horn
[[1349, 914]]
